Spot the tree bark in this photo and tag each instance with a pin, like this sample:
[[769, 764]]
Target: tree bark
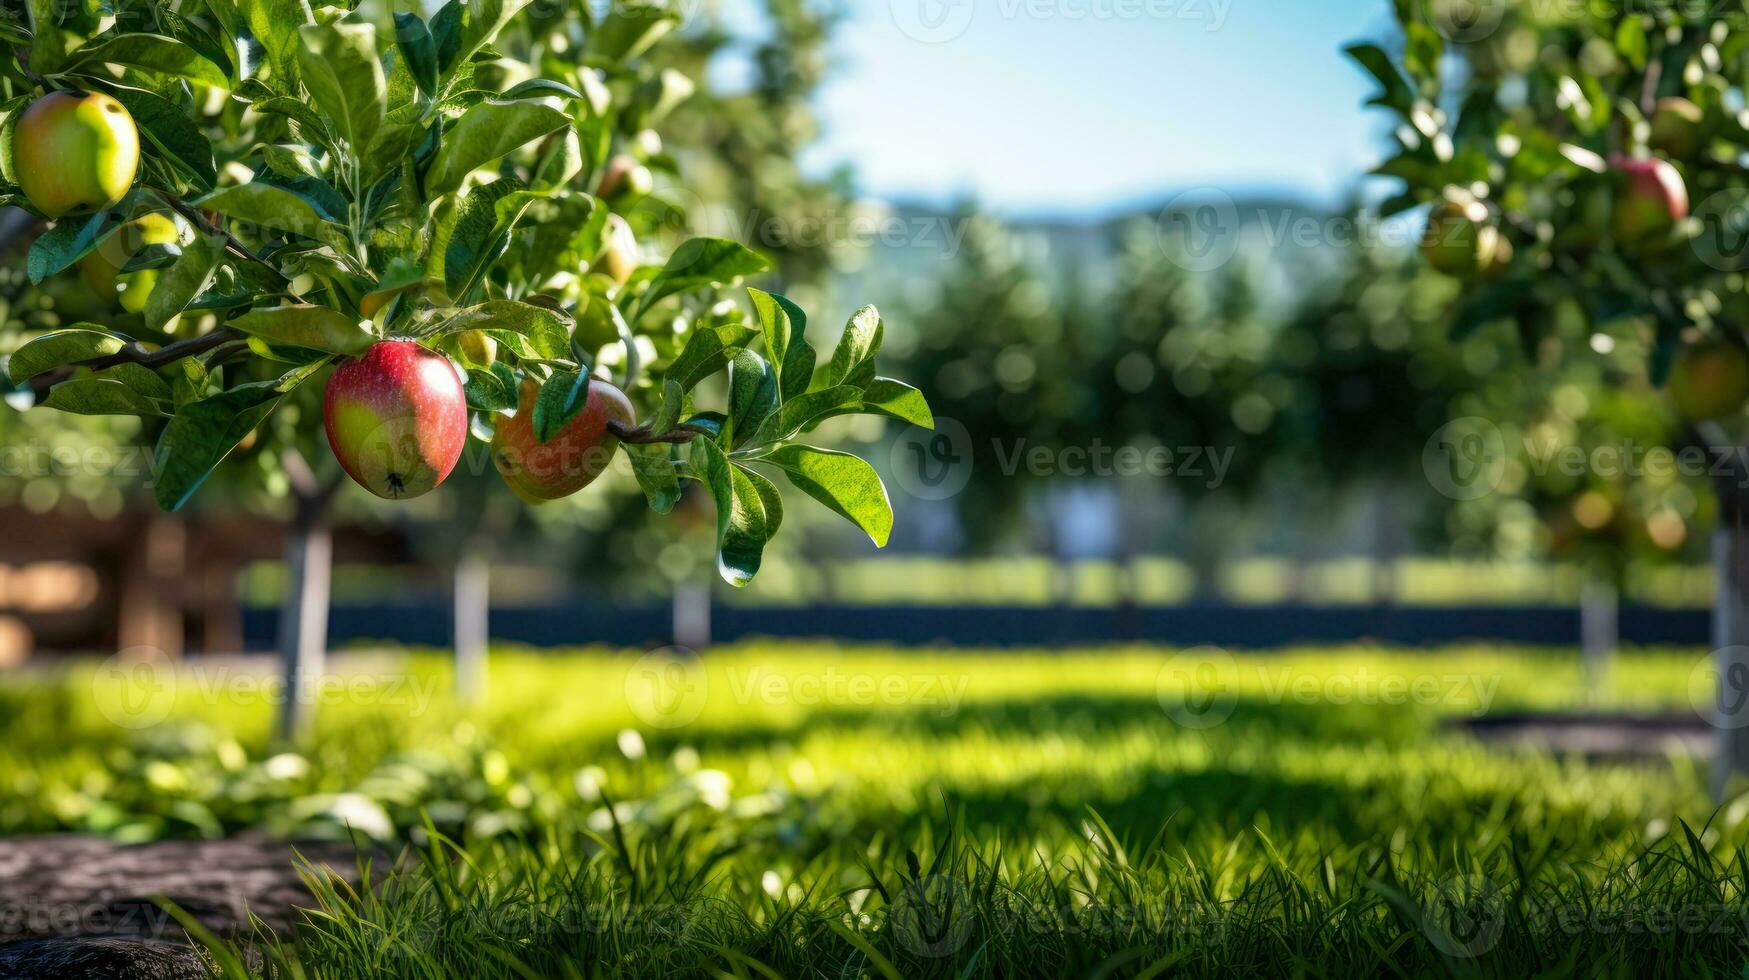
[[692, 615], [303, 618], [1599, 633], [473, 605], [1731, 652]]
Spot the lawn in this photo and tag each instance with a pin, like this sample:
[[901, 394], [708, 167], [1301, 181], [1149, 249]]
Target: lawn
[[811, 810]]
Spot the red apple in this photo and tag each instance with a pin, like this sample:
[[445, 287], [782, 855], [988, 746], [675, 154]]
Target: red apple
[[1649, 201], [571, 459], [397, 418]]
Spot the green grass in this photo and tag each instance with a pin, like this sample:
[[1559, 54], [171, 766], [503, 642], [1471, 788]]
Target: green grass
[[816, 810]]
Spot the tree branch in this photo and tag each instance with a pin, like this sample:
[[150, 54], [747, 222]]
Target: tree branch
[[232, 245], [638, 435], [136, 353]]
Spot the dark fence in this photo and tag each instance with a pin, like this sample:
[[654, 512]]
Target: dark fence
[[427, 622]]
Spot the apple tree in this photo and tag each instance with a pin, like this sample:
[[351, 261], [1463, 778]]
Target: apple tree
[[299, 206], [1582, 164]]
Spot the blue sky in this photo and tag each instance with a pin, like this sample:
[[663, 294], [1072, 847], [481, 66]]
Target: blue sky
[[1080, 106]]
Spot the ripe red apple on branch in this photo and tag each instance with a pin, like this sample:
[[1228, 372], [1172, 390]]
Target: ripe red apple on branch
[[396, 418], [569, 461], [1649, 201]]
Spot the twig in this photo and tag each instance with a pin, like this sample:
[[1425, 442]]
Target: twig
[[235, 247], [136, 353], [642, 436]]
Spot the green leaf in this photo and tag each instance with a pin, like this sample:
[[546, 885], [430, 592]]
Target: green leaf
[[1397, 94], [783, 324], [896, 399], [315, 129], [202, 434], [707, 351], [472, 26], [752, 394], [153, 53], [70, 240], [563, 396], [485, 133], [99, 396], [48, 44], [702, 262], [275, 24], [143, 380], [808, 409], [420, 51], [743, 524], [340, 68], [847, 485], [530, 331], [62, 347], [315, 327], [491, 389], [169, 131], [476, 232], [274, 208], [178, 285], [658, 469], [630, 28], [853, 360]]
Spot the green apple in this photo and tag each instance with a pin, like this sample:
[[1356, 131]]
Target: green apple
[[1710, 380], [102, 268], [75, 154], [1461, 241], [618, 257], [1676, 127]]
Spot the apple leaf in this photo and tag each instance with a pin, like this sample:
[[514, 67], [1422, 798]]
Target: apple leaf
[[99, 396], [528, 330], [70, 240], [701, 262], [564, 395], [752, 395], [706, 352], [853, 360], [659, 469], [804, 410], [485, 133], [53, 350], [305, 325], [418, 49], [896, 399], [476, 232], [783, 324], [202, 434], [274, 208], [491, 389], [339, 66], [846, 484], [178, 285], [153, 53], [746, 516], [274, 24], [172, 135]]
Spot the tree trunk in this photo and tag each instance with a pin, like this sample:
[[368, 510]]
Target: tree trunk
[[303, 618], [1598, 630], [1731, 649], [473, 604], [692, 615]]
